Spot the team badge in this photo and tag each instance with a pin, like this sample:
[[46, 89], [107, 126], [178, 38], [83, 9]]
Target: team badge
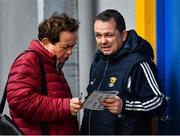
[[112, 81]]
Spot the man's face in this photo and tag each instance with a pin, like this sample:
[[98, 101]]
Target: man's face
[[109, 39], [63, 48]]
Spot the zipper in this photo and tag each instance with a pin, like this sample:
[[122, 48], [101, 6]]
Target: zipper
[[90, 113]]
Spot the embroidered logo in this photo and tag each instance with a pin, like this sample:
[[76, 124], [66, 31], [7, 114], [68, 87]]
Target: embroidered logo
[[112, 81]]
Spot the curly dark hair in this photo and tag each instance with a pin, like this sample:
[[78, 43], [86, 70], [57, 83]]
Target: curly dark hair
[[52, 27]]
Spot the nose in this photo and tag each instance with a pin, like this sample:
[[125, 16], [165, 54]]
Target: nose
[[69, 51], [103, 40]]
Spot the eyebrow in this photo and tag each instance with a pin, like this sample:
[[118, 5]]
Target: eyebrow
[[105, 33], [69, 45]]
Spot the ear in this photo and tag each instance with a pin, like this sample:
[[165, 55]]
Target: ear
[[124, 35], [45, 42]]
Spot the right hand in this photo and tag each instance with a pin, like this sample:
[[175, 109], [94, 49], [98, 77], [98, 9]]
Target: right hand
[[75, 106], [114, 104]]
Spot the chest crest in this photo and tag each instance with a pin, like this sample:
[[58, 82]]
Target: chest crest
[[112, 81]]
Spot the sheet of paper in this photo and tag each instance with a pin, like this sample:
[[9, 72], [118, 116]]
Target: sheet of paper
[[93, 102]]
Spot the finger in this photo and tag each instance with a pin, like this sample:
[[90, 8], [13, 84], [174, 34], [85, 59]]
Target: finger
[[107, 104], [74, 111], [75, 100], [110, 99], [113, 110], [76, 106], [110, 108]]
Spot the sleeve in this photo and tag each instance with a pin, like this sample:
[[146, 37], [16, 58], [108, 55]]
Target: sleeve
[[24, 95], [146, 97]]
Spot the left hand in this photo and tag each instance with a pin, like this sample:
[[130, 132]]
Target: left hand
[[75, 106], [114, 104]]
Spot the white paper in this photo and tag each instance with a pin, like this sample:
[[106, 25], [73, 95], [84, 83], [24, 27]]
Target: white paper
[[93, 102]]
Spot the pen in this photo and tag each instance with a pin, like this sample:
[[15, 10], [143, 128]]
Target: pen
[[80, 97]]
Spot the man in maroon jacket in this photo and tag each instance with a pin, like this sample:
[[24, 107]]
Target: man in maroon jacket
[[28, 107]]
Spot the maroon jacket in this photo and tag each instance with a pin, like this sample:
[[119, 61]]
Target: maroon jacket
[[28, 107]]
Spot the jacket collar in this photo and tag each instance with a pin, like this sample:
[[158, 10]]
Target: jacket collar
[[45, 54]]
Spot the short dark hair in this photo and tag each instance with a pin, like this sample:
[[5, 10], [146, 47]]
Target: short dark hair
[[117, 16], [52, 27]]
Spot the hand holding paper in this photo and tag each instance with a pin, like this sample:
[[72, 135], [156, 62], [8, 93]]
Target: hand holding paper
[[75, 106], [94, 101], [114, 104]]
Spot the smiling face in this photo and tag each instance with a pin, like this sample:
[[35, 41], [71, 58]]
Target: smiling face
[[109, 39], [63, 48]]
